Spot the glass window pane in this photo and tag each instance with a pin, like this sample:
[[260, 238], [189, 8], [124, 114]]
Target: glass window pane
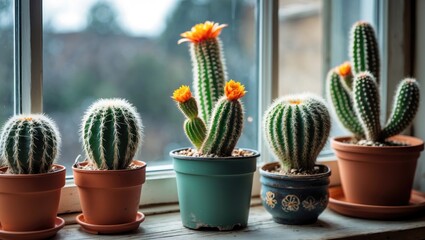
[[6, 60], [128, 49], [301, 36]]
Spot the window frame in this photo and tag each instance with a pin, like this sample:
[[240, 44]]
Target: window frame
[[160, 187]]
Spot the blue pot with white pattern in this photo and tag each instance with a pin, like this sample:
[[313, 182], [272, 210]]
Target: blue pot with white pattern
[[294, 199]]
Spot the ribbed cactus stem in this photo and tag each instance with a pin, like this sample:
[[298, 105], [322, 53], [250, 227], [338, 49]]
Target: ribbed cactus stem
[[209, 73], [405, 106], [342, 104], [366, 104], [225, 128], [296, 129], [29, 144], [364, 51], [226, 123], [112, 133]]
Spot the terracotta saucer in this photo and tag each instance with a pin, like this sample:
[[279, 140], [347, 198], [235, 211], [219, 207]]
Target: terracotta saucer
[[33, 235], [110, 229], [338, 203]]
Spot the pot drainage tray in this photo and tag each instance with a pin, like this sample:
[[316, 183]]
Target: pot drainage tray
[[33, 235], [338, 203], [110, 229]]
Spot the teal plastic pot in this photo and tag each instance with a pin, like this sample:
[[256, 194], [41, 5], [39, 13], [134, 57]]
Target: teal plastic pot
[[214, 193]]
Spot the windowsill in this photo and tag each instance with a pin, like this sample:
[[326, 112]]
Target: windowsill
[[260, 226]]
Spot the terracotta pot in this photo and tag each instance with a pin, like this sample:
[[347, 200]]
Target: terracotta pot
[[294, 200], [214, 193], [378, 175], [29, 202], [110, 197]]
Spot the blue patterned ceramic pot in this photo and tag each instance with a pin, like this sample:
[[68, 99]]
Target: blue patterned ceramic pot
[[294, 199]]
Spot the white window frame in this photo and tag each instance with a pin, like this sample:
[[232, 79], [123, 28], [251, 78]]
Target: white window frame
[[160, 187]]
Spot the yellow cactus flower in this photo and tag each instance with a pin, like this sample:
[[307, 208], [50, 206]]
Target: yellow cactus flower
[[295, 101], [201, 32], [234, 90], [182, 94], [344, 69]]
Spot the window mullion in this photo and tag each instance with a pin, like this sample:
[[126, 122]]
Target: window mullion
[[268, 53], [28, 64]]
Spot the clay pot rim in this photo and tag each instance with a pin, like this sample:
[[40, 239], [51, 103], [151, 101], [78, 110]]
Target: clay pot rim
[[97, 171], [416, 144], [59, 170], [311, 177], [232, 158]]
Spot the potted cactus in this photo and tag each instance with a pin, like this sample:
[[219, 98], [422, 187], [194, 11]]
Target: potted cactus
[[377, 166], [30, 182], [214, 179], [110, 181], [295, 189]]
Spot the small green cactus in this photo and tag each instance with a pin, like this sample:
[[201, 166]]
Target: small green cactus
[[296, 129], [353, 90], [29, 144], [194, 127], [226, 123], [111, 133], [209, 69]]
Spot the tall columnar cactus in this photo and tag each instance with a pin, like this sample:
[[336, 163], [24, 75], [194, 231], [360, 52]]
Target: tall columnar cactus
[[353, 90], [364, 51], [111, 132], [296, 129], [194, 127], [209, 69], [29, 144], [226, 122]]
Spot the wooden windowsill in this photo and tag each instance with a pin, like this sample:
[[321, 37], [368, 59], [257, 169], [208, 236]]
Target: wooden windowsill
[[330, 226]]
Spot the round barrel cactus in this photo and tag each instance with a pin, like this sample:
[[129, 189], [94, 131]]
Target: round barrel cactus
[[29, 144], [296, 129], [112, 133]]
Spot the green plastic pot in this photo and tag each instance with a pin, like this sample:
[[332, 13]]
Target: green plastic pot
[[214, 193]]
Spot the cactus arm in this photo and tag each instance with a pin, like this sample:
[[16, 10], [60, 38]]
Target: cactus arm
[[342, 105], [195, 129], [225, 128], [364, 51], [405, 106], [366, 105]]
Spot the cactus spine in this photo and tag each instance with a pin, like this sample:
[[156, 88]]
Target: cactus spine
[[296, 129], [30, 144], [112, 133], [194, 127], [356, 103], [209, 69]]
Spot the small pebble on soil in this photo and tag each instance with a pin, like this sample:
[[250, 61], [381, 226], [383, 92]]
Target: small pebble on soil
[[190, 152]]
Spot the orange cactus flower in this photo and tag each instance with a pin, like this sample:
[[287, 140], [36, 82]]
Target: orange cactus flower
[[182, 94], [234, 90], [295, 101], [344, 69], [201, 32]]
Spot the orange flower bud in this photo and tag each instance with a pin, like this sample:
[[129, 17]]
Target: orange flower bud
[[182, 94], [344, 69], [201, 32], [234, 90]]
